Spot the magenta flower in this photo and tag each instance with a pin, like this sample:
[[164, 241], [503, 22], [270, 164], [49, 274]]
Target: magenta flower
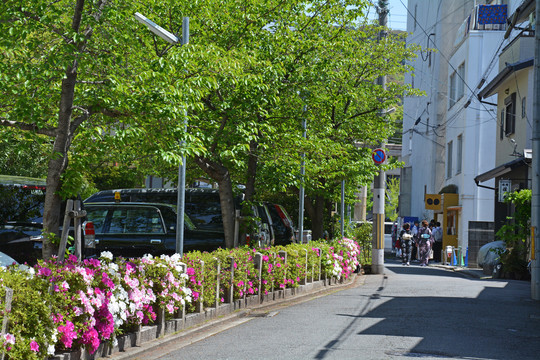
[[34, 346], [68, 334], [44, 272]]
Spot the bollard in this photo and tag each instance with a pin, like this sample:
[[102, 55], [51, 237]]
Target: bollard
[[160, 322], [258, 267], [230, 293], [200, 304], [305, 268], [218, 281], [283, 254], [274, 265]]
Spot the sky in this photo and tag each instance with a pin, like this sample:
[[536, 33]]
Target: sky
[[397, 18]]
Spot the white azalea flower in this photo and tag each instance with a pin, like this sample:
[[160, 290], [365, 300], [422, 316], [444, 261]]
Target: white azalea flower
[[106, 255]]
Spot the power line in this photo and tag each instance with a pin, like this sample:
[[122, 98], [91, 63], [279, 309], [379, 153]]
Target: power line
[[450, 65]]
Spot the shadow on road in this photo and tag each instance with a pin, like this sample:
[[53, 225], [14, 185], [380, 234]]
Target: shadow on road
[[470, 318]]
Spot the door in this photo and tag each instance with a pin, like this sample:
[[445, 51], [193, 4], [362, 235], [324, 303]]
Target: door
[[128, 231]]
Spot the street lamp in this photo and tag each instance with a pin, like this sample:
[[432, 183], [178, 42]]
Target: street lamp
[[156, 29], [181, 201]]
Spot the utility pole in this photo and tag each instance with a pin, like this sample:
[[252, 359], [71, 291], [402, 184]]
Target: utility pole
[[379, 183], [535, 201]]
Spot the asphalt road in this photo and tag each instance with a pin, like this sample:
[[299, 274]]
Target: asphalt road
[[407, 312]]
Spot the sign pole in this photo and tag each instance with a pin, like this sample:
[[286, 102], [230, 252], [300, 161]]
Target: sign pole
[[379, 182]]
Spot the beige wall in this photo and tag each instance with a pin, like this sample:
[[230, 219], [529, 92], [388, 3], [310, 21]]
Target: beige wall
[[518, 83]]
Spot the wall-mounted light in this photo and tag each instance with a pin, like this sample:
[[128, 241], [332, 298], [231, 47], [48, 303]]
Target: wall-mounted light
[[506, 91]]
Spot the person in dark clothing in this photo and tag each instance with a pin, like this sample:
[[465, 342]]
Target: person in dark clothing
[[437, 245], [407, 243], [424, 241]]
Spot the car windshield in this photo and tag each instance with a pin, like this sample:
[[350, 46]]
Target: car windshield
[[21, 203]]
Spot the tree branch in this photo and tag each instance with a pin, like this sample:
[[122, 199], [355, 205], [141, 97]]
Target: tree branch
[[28, 127]]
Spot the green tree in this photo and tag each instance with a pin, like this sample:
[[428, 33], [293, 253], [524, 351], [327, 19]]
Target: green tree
[[75, 76], [515, 233], [275, 57], [392, 198]]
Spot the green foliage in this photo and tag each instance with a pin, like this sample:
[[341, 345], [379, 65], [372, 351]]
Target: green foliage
[[363, 234], [30, 317], [117, 177], [392, 198], [515, 233], [110, 91], [21, 155]]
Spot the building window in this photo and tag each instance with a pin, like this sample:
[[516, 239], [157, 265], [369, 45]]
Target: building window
[[449, 160], [460, 81], [457, 85], [524, 107], [452, 91], [459, 154], [510, 114]]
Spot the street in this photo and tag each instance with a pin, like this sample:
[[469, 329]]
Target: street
[[430, 313]]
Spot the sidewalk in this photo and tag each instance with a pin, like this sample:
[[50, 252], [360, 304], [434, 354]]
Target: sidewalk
[[477, 273]]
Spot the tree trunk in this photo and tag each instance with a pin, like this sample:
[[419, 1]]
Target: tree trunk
[[315, 208], [62, 142], [249, 192], [58, 163], [251, 170], [220, 174]]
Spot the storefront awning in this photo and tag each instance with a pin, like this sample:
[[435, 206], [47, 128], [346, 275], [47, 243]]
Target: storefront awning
[[501, 170]]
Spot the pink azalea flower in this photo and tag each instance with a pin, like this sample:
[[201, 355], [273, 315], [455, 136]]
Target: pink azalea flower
[[9, 339], [34, 346]]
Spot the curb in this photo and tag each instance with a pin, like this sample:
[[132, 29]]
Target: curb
[[196, 326]]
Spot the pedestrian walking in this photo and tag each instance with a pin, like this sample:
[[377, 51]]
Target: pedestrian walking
[[424, 241], [407, 243], [437, 245], [414, 231]]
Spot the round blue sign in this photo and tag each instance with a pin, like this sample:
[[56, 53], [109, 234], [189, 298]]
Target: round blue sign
[[378, 156]]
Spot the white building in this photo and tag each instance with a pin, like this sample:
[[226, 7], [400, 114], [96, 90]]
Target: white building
[[448, 135]]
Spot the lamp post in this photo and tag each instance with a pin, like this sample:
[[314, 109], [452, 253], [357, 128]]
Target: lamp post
[[302, 193], [181, 200]]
